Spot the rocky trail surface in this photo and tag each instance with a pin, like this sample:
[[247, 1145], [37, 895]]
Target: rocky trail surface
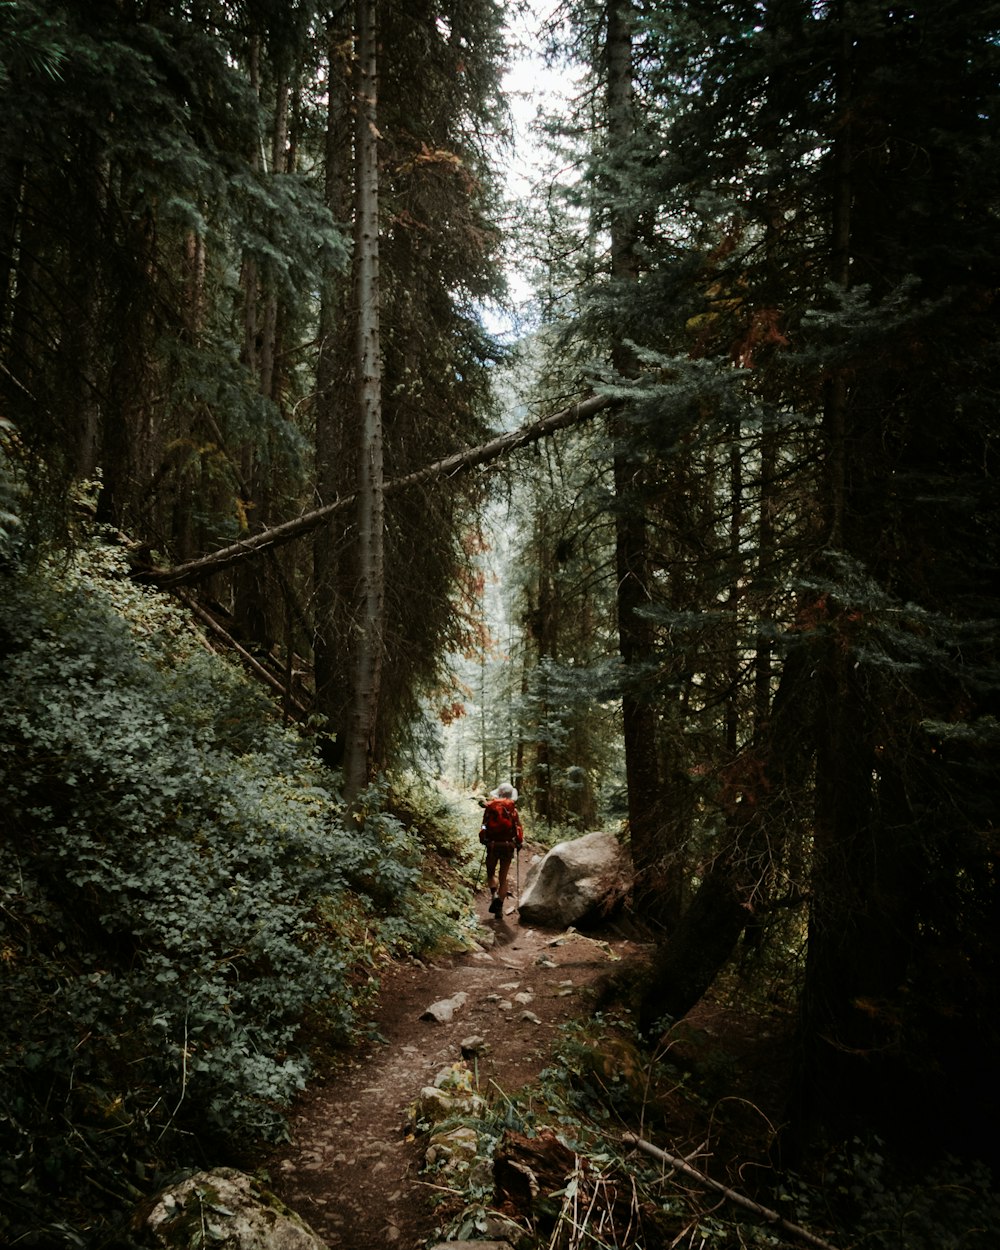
[[352, 1170]]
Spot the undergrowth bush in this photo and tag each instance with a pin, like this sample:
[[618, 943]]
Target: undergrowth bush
[[171, 875], [603, 1090]]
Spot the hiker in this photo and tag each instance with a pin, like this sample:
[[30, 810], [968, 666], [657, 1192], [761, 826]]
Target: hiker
[[501, 833]]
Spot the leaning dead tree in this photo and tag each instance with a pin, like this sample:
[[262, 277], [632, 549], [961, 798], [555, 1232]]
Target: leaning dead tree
[[451, 466]]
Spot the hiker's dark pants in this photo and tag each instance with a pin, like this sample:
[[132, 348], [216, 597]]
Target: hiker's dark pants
[[498, 855]]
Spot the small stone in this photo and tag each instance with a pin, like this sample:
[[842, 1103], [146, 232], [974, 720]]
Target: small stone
[[530, 1017], [524, 998], [443, 1011], [472, 1046], [434, 1105], [505, 1005], [453, 1148]]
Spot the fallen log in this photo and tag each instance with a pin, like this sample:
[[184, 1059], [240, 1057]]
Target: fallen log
[[451, 466]]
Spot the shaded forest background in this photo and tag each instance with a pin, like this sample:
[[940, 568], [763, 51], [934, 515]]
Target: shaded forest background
[[249, 258]]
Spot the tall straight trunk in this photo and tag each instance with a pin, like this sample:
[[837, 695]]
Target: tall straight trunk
[[104, 440], [763, 661], [249, 592], [270, 324], [734, 596], [837, 801], [368, 636], [334, 467], [635, 634], [862, 892], [254, 591]]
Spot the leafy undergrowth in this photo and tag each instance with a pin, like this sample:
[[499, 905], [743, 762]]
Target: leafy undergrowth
[[566, 1164], [183, 913]]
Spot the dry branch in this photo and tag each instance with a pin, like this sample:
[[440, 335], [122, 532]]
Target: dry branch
[[252, 664], [765, 1213], [451, 466]]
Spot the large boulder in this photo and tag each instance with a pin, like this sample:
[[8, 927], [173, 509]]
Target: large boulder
[[224, 1209], [576, 882]]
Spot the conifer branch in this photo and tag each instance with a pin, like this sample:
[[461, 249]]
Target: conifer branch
[[451, 466]]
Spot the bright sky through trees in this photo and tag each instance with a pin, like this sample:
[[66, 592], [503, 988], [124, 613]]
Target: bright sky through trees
[[534, 87]]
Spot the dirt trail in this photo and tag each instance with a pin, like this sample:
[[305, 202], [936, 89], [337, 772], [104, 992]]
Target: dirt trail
[[349, 1171]]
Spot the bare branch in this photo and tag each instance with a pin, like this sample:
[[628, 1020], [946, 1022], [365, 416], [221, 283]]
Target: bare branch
[[765, 1213]]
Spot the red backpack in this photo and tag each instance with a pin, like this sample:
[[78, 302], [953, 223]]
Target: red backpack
[[500, 820]]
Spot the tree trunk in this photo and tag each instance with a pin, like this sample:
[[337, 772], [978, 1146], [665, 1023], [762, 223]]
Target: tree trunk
[[766, 792], [861, 915], [12, 170], [635, 634], [334, 468], [368, 635], [250, 598]]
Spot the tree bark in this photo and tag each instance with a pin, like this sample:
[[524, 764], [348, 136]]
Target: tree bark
[[635, 634], [763, 799], [331, 561], [369, 632]]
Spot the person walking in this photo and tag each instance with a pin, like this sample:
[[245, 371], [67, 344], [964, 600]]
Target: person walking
[[502, 834]]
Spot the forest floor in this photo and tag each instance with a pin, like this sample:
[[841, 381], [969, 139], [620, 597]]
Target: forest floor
[[352, 1170]]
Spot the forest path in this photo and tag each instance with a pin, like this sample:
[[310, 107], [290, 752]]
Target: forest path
[[349, 1171]]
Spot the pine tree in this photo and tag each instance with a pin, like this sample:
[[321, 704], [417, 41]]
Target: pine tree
[[438, 259], [815, 457]]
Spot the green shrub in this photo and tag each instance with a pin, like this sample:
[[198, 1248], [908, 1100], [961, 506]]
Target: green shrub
[[169, 883]]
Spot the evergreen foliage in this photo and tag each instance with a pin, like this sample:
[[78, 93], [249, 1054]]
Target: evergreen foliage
[[177, 327], [441, 121], [774, 271], [767, 579], [131, 196]]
